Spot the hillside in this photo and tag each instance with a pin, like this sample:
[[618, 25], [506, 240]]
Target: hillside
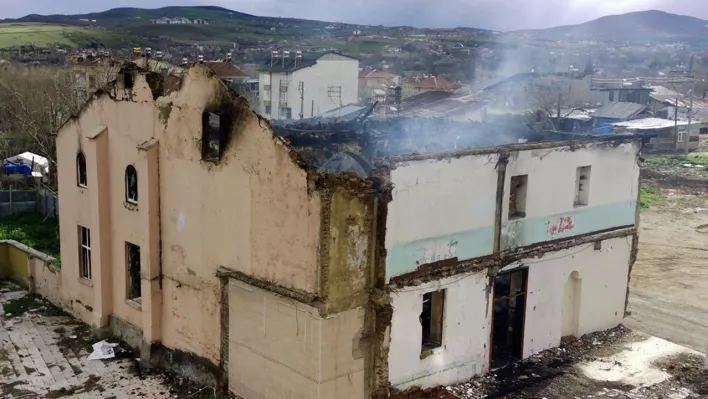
[[643, 26], [133, 24]]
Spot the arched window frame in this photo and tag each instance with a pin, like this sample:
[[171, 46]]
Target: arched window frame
[[81, 175], [131, 184]]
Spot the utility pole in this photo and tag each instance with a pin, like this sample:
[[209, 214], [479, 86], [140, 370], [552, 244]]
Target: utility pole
[[690, 111], [301, 90], [676, 132]]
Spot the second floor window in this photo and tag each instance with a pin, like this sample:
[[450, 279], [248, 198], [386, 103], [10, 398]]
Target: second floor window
[[131, 184], [81, 178]]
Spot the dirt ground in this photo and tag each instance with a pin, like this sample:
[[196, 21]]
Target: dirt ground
[[669, 282]]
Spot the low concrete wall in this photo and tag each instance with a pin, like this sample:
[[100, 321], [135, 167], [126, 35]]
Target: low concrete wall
[[31, 269]]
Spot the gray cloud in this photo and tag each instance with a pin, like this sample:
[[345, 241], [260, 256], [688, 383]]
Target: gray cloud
[[491, 14]]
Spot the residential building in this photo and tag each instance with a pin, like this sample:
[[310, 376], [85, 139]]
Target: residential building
[[94, 73], [664, 134], [527, 92], [604, 117], [374, 85], [226, 71], [427, 83], [310, 84], [334, 260]]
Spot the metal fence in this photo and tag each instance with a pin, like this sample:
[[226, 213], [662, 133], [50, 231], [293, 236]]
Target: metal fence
[[42, 200]]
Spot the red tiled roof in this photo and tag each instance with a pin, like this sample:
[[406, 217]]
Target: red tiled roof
[[434, 83], [224, 69], [377, 74]]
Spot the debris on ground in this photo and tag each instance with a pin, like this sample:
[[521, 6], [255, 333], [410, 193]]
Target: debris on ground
[[644, 368]]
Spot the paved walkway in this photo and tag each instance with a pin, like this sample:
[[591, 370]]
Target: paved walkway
[[43, 355]]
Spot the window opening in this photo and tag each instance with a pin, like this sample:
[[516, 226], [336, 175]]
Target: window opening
[[131, 184], [517, 197], [127, 80], [216, 128], [431, 320], [85, 252], [132, 253], [582, 186], [81, 177]]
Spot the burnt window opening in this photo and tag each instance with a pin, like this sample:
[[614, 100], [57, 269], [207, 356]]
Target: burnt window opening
[[517, 196], [81, 177], [582, 186], [432, 320], [127, 80], [216, 128], [132, 260], [131, 184]]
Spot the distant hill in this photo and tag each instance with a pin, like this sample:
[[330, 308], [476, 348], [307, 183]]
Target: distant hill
[[642, 26], [225, 27]]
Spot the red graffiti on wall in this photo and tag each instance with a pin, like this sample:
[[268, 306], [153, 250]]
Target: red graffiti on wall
[[560, 225]]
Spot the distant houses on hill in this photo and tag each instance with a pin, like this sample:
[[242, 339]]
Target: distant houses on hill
[[179, 21]]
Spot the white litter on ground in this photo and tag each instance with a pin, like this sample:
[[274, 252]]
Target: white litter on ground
[[634, 365], [103, 350]]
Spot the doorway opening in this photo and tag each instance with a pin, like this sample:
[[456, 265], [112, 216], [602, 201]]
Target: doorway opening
[[571, 305], [509, 316]]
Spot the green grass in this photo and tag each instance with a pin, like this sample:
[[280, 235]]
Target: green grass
[[16, 307], [32, 230], [648, 196], [19, 306], [49, 35], [678, 160]]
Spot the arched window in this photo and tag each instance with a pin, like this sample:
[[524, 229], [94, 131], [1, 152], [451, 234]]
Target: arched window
[[131, 184], [81, 179]]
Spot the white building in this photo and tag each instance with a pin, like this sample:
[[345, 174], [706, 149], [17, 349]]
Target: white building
[[496, 254], [312, 83]]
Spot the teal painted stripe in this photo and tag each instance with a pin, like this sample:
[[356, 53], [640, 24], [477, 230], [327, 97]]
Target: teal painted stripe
[[406, 257], [523, 232]]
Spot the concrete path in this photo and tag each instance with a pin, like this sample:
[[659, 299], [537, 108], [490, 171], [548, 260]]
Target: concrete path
[[43, 355]]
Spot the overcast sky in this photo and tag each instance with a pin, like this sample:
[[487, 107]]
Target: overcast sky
[[490, 14]]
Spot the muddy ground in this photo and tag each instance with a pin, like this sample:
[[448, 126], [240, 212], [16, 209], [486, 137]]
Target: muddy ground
[[669, 285]]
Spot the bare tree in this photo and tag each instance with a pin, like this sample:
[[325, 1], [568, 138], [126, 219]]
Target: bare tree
[[244, 91], [34, 103], [550, 97]]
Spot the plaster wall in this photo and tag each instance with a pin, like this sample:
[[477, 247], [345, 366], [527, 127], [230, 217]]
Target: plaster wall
[[441, 209], [274, 339], [252, 212], [602, 276], [550, 210]]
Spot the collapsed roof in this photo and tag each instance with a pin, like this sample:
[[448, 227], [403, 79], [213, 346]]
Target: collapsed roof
[[353, 147]]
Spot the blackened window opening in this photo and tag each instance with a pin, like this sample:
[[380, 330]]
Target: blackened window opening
[[128, 80], [131, 184], [216, 127], [431, 320], [133, 263], [81, 177]]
